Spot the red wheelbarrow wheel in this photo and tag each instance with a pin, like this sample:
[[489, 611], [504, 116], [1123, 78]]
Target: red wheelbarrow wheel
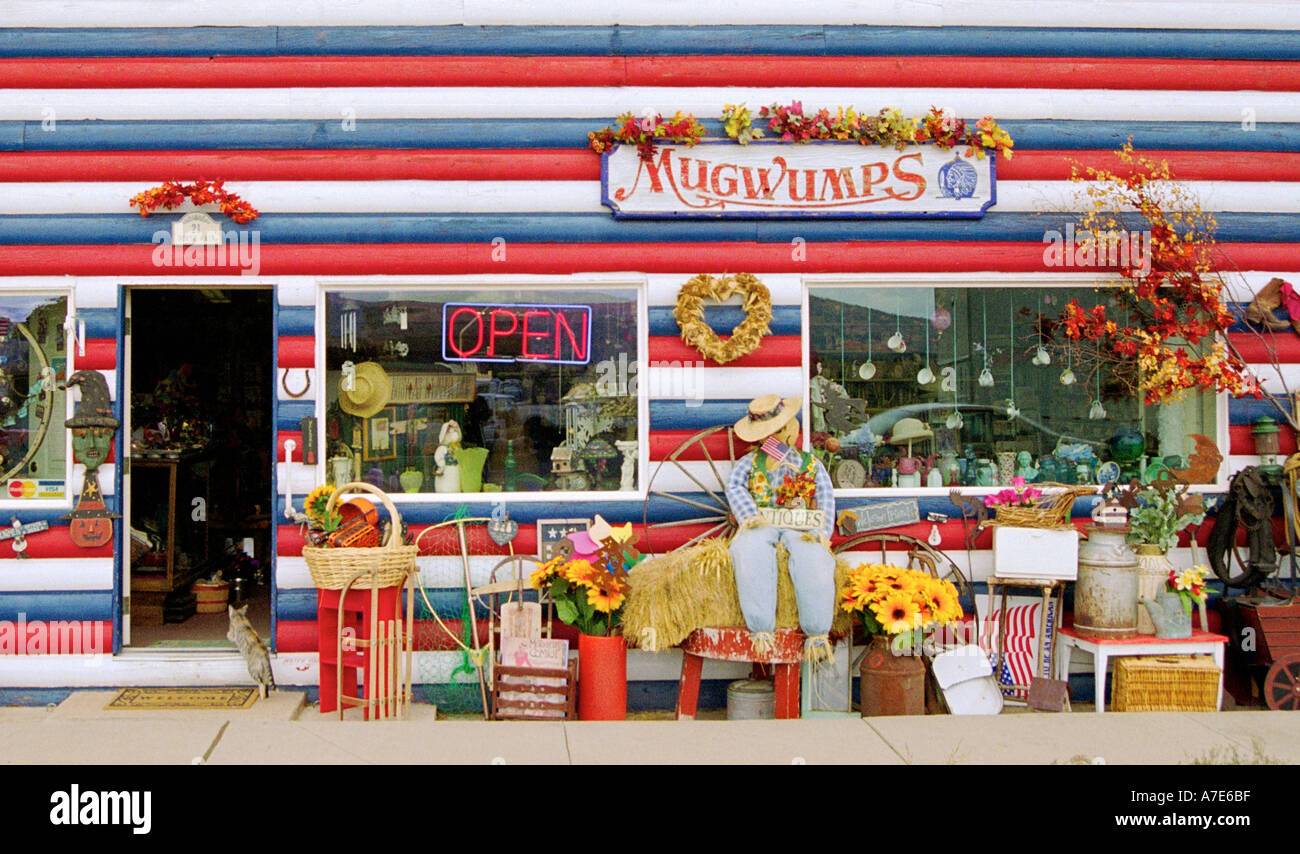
[[1282, 685]]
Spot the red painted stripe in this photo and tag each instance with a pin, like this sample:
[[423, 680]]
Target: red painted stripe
[[297, 351], [79, 637], [564, 258], [56, 542], [1240, 441], [992, 72], [1186, 165], [370, 164], [775, 351], [664, 442], [540, 164], [289, 541], [1265, 347], [283, 436], [101, 355]]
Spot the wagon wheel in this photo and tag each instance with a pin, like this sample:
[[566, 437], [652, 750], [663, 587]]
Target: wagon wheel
[[1282, 685], [920, 555], [708, 507]]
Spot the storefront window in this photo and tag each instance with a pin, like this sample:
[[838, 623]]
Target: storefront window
[[33, 361], [540, 385], [939, 386]]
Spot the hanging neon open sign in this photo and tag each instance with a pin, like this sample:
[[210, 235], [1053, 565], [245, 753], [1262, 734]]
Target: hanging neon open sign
[[486, 332]]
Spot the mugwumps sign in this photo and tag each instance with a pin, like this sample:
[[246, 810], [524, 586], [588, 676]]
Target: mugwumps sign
[[818, 179]]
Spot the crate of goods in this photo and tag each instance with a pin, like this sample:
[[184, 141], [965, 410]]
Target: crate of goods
[[1035, 553], [1170, 683]]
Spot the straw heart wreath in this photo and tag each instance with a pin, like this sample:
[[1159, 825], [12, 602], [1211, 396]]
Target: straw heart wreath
[[745, 338]]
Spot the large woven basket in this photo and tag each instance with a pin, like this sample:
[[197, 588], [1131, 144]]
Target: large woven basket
[[1052, 510], [386, 565], [1172, 683]]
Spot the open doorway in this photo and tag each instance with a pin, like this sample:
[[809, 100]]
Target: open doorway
[[198, 494]]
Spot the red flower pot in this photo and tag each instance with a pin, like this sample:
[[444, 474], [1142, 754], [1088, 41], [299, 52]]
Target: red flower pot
[[602, 678]]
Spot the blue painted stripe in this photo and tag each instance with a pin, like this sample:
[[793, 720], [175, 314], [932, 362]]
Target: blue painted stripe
[[786, 320], [695, 415], [1029, 134], [295, 319], [1245, 410], [56, 605], [100, 322], [300, 604], [656, 40], [289, 413], [113, 229]]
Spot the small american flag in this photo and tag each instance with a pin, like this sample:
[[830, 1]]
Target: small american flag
[[4, 327], [1019, 656]]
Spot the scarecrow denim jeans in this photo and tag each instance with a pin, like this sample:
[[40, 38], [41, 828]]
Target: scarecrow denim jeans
[[812, 569]]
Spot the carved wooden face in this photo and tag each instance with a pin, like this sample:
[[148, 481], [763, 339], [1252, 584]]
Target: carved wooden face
[[91, 445]]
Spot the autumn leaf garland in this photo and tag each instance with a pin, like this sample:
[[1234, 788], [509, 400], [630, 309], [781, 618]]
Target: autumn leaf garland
[[172, 194]]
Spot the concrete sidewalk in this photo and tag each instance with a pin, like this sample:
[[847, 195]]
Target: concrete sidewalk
[[285, 731]]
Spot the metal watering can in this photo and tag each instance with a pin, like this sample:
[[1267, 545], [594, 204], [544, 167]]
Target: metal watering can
[[1167, 612]]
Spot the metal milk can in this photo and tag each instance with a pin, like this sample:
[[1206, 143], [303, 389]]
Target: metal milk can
[[1106, 594]]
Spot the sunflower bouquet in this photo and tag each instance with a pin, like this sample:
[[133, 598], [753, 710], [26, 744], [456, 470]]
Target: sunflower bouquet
[[586, 595], [899, 604]]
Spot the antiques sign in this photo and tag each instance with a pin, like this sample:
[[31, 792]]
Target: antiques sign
[[817, 179]]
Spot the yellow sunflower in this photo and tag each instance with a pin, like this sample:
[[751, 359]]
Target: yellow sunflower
[[578, 571], [606, 594], [897, 614], [315, 502], [947, 604], [544, 573]]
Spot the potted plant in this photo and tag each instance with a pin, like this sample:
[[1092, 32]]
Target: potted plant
[[897, 608], [1158, 515], [590, 596]]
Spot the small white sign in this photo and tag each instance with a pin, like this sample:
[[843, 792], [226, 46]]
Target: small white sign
[[196, 229], [816, 179]]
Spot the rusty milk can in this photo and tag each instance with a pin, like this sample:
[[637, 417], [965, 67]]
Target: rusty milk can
[[1106, 594]]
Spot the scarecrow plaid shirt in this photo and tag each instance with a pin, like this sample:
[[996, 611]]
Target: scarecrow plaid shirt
[[743, 506]]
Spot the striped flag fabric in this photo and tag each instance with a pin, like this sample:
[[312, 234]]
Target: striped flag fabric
[[1020, 645]]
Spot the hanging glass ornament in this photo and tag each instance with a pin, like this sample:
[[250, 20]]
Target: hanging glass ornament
[[925, 376], [868, 368], [1041, 357], [896, 342], [1067, 375]]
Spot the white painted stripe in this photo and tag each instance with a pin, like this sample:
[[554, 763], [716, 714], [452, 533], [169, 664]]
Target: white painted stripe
[[65, 573], [304, 478], [680, 476], [978, 565], [94, 292], [556, 196], [1277, 379], [603, 103], [692, 381], [296, 380], [296, 290], [1237, 462], [436, 573], [1155, 14], [786, 289]]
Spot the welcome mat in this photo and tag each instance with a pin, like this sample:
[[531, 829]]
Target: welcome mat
[[183, 698]]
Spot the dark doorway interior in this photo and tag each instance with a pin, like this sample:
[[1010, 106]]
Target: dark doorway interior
[[201, 409]]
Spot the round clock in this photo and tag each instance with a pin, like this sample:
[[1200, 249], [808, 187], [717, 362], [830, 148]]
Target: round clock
[[849, 474]]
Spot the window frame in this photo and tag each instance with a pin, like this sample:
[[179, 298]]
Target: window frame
[[72, 484], [968, 280], [515, 282]]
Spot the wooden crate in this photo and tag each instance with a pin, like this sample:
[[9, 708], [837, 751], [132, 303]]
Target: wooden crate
[[1166, 683], [518, 696]]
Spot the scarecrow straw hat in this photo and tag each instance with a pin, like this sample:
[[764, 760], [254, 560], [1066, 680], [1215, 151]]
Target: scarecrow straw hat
[[370, 392], [767, 414]]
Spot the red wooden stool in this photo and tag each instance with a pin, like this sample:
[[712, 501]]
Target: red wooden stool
[[733, 643], [361, 617]]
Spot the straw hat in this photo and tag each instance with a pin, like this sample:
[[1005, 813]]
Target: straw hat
[[370, 392], [767, 414], [910, 430]]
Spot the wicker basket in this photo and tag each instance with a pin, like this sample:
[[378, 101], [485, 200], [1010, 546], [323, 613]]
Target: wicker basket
[[1169, 683], [386, 565], [1049, 511]]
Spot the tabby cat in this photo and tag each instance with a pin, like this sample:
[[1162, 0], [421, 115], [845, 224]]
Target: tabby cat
[[251, 648]]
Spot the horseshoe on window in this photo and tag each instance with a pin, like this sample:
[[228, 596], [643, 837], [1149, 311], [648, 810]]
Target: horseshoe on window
[[284, 382]]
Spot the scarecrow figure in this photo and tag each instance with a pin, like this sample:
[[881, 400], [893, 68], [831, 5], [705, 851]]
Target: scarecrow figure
[[779, 476]]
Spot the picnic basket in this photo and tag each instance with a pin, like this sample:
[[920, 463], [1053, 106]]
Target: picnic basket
[[385, 565]]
